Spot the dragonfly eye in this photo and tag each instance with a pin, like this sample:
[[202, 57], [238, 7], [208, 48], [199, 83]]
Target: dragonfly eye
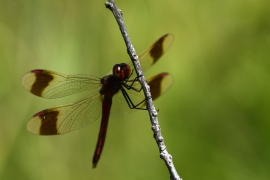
[[122, 71], [116, 70]]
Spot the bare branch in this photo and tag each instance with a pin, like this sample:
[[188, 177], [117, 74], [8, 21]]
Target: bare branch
[[150, 106]]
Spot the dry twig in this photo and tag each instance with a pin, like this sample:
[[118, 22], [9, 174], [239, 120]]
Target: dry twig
[[150, 106]]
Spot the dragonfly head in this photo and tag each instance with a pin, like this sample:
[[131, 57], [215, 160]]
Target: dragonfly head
[[122, 71]]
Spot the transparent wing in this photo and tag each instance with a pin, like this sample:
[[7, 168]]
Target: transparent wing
[[50, 84], [158, 85], [66, 118]]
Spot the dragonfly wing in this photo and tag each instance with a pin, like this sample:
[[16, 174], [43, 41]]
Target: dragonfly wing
[[66, 118], [159, 84], [50, 84], [152, 54]]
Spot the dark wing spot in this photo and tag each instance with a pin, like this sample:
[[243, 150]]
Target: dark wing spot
[[48, 122], [155, 86], [157, 49], [43, 79]]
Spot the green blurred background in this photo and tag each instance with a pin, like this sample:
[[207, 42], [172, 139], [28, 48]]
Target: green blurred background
[[215, 119]]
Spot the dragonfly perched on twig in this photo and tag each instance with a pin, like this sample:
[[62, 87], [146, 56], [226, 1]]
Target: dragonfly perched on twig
[[105, 101]]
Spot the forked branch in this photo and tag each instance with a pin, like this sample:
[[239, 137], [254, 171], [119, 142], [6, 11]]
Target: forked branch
[[150, 106]]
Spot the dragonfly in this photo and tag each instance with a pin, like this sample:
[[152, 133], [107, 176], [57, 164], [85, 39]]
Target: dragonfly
[[117, 93]]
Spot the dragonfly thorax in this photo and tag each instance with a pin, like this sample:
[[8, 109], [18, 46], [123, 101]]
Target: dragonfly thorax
[[111, 84], [122, 71]]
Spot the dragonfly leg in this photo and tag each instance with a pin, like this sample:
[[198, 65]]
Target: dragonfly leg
[[130, 103], [131, 86]]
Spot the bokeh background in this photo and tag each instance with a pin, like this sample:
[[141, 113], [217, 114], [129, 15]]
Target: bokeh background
[[215, 119]]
